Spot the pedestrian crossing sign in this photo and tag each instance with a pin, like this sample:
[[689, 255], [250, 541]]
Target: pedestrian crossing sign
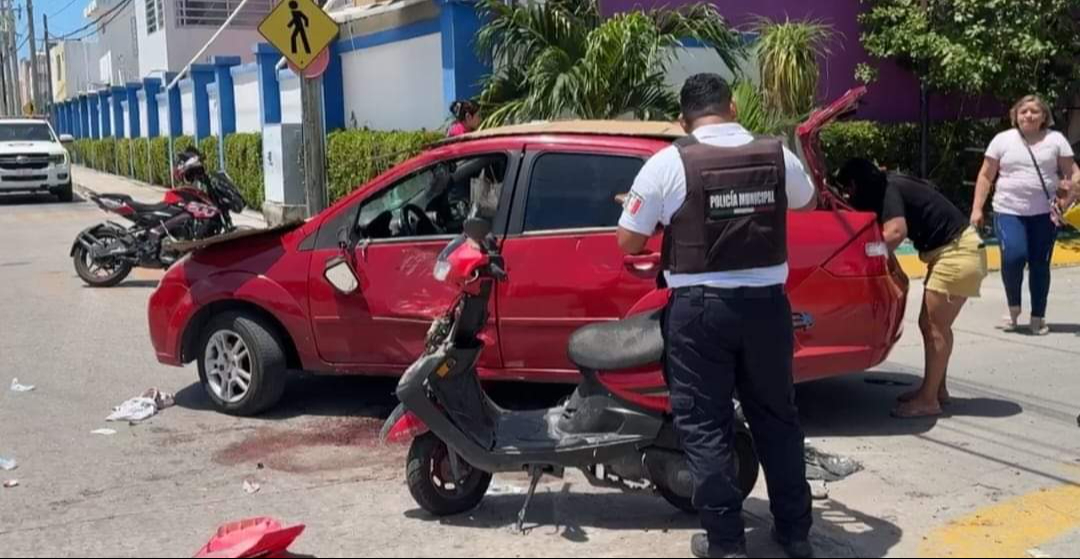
[[300, 29]]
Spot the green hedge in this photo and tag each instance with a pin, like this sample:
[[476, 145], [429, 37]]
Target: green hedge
[[956, 150], [354, 157], [357, 156]]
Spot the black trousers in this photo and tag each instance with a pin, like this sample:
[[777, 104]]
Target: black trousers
[[717, 342]]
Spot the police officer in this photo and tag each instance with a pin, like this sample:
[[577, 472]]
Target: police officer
[[723, 197]]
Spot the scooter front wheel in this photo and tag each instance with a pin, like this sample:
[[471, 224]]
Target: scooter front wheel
[[432, 483]]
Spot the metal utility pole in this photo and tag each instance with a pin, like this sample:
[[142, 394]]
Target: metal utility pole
[[314, 136], [48, 68], [11, 57], [3, 82], [35, 87], [12, 62]]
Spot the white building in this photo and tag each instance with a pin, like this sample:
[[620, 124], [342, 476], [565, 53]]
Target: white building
[[117, 41], [42, 78], [171, 32], [72, 69]]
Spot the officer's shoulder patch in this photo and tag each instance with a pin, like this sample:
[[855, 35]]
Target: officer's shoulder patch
[[633, 203]]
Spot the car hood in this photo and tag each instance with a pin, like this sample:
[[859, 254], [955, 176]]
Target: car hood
[[809, 133], [235, 237], [44, 148]]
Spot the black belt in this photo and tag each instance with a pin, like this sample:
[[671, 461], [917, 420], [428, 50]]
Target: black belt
[[707, 292]]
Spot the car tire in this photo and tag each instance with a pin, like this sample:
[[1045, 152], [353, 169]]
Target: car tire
[[65, 193], [425, 467], [242, 364]]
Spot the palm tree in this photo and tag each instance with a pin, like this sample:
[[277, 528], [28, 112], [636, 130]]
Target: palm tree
[[787, 55], [561, 59]]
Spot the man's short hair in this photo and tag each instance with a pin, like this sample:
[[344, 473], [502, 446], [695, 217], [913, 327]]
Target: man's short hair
[[705, 95]]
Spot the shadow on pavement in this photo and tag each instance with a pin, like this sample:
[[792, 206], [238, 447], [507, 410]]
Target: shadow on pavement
[[859, 405], [371, 397], [839, 531]]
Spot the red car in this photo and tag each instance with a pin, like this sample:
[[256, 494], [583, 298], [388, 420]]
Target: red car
[[249, 310]]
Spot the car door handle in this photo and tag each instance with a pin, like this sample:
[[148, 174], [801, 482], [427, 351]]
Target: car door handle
[[643, 262]]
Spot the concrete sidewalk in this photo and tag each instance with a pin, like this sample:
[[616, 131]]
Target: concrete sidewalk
[[89, 180]]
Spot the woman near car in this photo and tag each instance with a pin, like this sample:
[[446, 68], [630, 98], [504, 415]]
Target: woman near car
[[956, 260], [466, 118], [1035, 173]]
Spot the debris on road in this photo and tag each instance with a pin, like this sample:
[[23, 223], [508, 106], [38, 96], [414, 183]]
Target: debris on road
[[135, 409], [8, 464], [143, 407], [162, 400], [828, 467], [254, 537], [16, 387], [11, 483], [1038, 553], [105, 432], [819, 489], [251, 488]]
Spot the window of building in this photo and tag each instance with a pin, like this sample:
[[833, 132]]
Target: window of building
[[213, 13]]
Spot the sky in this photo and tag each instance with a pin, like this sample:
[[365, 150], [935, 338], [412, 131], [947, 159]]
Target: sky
[[65, 16]]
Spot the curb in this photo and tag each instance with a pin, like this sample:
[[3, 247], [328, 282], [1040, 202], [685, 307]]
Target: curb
[[1066, 255]]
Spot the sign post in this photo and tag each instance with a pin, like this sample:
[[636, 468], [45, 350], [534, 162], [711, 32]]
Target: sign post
[[304, 33]]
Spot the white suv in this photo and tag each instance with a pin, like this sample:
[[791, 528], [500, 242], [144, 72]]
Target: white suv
[[33, 159]]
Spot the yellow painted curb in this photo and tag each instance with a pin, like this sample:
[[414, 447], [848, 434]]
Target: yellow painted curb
[[1008, 529], [1066, 254]]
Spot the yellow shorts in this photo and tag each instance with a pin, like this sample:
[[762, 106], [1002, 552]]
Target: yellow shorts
[[958, 268]]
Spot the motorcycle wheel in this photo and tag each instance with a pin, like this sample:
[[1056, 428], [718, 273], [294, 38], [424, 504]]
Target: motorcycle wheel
[[98, 274], [430, 479], [747, 469]]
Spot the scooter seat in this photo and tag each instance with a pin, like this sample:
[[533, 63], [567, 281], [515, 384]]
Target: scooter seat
[[623, 344]]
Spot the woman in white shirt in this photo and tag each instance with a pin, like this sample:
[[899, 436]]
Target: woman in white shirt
[[1027, 202]]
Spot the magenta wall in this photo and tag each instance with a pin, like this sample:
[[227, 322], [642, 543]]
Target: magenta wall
[[894, 97]]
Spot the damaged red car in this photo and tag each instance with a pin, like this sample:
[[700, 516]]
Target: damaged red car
[[249, 310]]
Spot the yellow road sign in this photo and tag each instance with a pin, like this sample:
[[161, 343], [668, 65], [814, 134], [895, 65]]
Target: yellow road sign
[[300, 29]]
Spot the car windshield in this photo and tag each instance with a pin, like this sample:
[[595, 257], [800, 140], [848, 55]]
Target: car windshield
[[25, 132]]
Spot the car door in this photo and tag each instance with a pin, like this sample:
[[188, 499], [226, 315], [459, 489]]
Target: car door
[[382, 326], [566, 269]]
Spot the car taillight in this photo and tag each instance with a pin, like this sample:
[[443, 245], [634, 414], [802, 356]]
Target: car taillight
[[866, 256]]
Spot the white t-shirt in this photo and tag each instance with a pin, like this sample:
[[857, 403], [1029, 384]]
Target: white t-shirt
[[1018, 190], [660, 190]]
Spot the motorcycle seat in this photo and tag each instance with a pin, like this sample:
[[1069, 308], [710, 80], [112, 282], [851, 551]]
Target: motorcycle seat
[[139, 207], [622, 344]]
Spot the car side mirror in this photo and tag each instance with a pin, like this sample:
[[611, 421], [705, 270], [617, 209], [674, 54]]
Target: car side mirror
[[67, 139], [340, 274], [477, 229]]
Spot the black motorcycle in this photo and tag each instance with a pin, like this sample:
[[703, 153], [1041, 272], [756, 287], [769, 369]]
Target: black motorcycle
[[104, 254]]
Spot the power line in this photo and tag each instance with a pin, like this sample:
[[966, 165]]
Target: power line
[[111, 12], [64, 9]]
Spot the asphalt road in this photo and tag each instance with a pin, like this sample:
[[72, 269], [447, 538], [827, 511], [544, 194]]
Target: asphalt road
[[999, 474]]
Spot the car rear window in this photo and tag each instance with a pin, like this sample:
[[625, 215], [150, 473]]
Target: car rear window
[[576, 191], [24, 132]]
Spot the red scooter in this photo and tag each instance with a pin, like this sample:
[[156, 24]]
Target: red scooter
[[616, 427]]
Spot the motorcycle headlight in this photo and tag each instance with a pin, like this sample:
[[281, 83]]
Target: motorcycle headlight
[[58, 159]]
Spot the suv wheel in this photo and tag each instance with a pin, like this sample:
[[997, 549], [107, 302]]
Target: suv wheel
[[65, 193]]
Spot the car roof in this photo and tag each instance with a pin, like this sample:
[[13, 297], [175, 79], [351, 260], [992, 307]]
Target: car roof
[[631, 128]]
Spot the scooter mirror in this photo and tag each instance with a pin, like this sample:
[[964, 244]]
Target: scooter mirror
[[340, 274]]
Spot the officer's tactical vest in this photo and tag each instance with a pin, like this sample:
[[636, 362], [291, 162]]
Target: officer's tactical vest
[[735, 213]]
